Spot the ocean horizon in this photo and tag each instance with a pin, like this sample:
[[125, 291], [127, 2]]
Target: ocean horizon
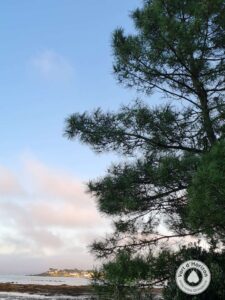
[[43, 280]]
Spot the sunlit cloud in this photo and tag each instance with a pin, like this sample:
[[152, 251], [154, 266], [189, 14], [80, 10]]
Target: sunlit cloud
[[49, 214], [9, 184]]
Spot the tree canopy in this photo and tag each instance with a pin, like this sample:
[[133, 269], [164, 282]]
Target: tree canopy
[[173, 167]]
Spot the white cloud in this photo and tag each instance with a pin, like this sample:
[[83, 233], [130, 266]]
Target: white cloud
[[9, 184], [52, 66], [49, 216]]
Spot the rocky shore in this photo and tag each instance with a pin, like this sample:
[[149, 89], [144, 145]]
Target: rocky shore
[[87, 292], [47, 290]]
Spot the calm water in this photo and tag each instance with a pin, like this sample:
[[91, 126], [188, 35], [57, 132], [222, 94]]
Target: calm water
[[43, 280], [22, 279]]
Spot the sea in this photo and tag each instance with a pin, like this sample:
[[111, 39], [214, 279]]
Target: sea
[[42, 280], [24, 279]]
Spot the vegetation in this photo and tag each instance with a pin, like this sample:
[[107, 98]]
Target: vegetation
[[173, 171]]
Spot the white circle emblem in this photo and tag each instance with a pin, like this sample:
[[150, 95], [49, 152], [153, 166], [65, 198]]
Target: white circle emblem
[[193, 277]]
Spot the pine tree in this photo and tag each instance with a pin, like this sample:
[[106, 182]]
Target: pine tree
[[178, 50]]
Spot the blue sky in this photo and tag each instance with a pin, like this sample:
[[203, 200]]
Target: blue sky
[[74, 38], [56, 59]]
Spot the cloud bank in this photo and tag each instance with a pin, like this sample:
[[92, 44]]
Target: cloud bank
[[47, 219]]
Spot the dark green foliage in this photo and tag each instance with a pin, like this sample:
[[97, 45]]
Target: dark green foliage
[[126, 271], [207, 194], [138, 129], [176, 43], [215, 263], [120, 278], [179, 50], [174, 171]]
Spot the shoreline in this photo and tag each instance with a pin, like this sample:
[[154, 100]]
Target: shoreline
[[48, 290], [55, 290]]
